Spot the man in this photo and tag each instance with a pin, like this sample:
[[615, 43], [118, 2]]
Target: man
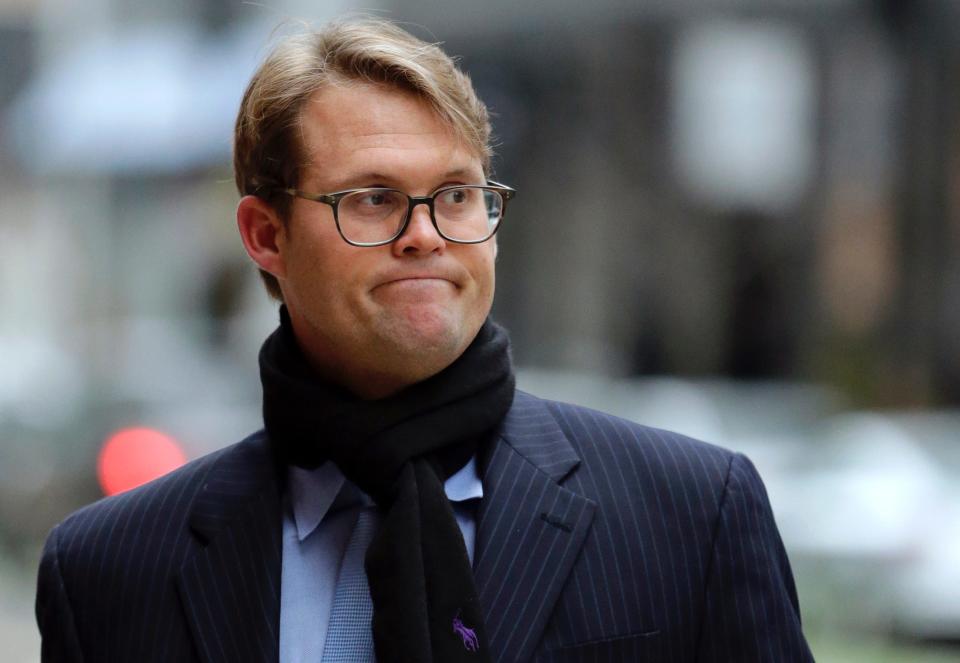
[[403, 499]]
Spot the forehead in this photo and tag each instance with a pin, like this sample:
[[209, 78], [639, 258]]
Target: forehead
[[351, 130]]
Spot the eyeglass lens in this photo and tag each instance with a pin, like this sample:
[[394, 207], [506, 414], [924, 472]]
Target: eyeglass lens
[[462, 213]]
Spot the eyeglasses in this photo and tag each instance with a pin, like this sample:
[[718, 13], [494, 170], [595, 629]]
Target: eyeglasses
[[464, 214]]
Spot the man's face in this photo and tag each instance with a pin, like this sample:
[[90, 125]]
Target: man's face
[[376, 319]]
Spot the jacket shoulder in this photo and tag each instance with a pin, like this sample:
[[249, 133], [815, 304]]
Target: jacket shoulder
[[159, 508], [605, 441]]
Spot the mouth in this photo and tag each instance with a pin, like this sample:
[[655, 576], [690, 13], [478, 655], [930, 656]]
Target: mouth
[[416, 289], [418, 280], [418, 283]]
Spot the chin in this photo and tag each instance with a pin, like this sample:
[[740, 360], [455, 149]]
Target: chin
[[431, 337]]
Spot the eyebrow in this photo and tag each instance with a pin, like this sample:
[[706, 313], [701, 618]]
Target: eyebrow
[[364, 179]]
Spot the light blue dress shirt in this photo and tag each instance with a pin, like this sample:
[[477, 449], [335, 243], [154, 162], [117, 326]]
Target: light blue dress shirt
[[320, 509]]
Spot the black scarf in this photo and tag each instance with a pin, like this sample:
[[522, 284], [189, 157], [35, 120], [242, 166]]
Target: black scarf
[[400, 450]]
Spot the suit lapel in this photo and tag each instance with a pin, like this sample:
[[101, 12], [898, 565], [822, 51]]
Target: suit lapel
[[230, 588], [529, 528]]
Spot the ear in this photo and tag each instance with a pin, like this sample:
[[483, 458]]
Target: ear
[[260, 229]]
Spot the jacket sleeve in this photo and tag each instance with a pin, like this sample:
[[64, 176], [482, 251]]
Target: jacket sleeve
[[58, 629], [751, 611]]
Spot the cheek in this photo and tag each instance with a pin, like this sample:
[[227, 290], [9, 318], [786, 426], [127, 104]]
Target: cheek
[[489, 263], [485, 275], [313, 247], [315, 272]]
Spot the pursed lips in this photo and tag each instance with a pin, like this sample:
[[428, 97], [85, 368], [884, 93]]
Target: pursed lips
[[415, 280]]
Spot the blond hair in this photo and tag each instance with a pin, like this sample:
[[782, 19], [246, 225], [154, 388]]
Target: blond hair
[[267, 154]]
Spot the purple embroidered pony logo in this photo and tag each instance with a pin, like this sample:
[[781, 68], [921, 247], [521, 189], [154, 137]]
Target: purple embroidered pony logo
[[470, 642]]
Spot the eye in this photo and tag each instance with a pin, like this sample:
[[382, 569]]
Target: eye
[[455, 197], [373, 199], [371, 203]]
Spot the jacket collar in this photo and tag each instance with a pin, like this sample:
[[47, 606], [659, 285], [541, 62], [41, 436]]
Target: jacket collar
[[315, 493]]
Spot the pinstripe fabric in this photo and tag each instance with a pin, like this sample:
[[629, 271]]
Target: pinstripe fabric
[[136, 577], [597, 540], [680, 561]]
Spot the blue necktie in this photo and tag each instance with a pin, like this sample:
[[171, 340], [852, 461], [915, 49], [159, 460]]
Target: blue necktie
[[349, 638]]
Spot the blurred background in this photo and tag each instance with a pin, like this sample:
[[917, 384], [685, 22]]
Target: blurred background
[[739, 219]]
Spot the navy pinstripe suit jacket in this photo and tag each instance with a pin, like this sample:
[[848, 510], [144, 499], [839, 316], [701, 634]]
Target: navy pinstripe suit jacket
[[597, 540]]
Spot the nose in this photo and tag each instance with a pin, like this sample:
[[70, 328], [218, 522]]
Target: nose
[[420, 235]]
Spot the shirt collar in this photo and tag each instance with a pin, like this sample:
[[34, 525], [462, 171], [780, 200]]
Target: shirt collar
[[316, 493]]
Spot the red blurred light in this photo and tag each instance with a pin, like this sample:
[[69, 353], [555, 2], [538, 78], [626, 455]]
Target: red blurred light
[[133, 456]]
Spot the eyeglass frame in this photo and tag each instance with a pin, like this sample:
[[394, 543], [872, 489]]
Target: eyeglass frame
[[333, 200]]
